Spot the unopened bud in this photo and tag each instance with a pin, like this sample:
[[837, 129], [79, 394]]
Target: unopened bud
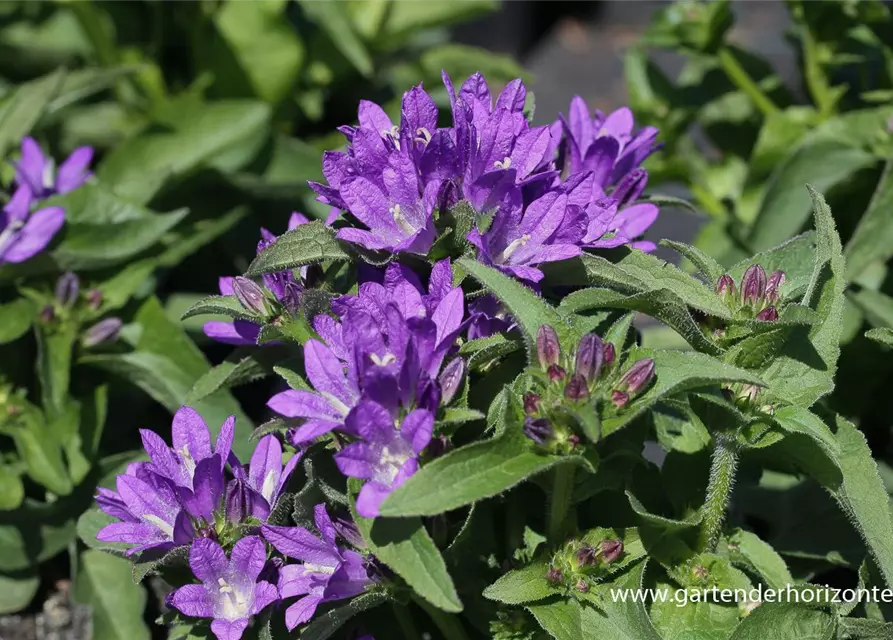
[[104, 331], [438, 446], [250, 295], [538, 429], [725, 285], [638, 376], [428, 394], [590, 355], [610, 355], [769, 314], [630, 187], [582, 586], [610, 550], [586, 555], [451, 379], [573, 440], [67, 288], [576, 388], [47, 314], [619, 399], [753, 284], [556, 373], [94, 299], [236, 503], [531, 403], [548, 349], [774, 284], [554, 575]]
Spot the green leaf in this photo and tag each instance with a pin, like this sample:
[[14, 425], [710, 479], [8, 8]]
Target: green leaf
[[23, 108], [219, 305], [793, 419], [561, 619], [711, 269], [12, 492], [17, 591], [90, 523], [324, 625], [883, 336], [773, 621], [307, 244], [529, 310], [460, 61], [619, 620], [118, 605], [863, 498], [872, 241], [877, 307], [405, 546], [747, 549], [55, 344], [192, 134], [333, 20], [518, 586], [675, 371], [149, 564], [468, 474], [405, 19], [482, 351], [244, 365], [785, 207], [804, 371], [37, 531], [41, 452], [15, 319]]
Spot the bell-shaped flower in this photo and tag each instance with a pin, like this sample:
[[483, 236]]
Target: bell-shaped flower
[[230, 592], [37, 172], [262, 483], [24, 234]]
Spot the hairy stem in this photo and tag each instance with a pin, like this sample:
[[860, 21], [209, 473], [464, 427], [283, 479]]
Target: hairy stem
[[719, 490], [404, 619], [560, 500], [450, 625], [741, 79]]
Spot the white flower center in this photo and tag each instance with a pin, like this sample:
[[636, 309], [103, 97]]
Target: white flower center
[[269, 487], [49, 171], [161, 525], [513, 246], [318, 568], [383, 361], [233, 602], [505, 164], [339, 406], [401, 220], [188, 460]]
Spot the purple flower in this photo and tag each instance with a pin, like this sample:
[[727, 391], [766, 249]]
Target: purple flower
[[230, 592], [262, 484], [387, 455], [329, 571], [24, 234], [149, 511], [282, 286], [36, 172]]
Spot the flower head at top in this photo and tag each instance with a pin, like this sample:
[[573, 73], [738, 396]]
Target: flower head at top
[[280, 289], [24, 234], [230, 591], [37, 172], [328, 571], [387, 454]]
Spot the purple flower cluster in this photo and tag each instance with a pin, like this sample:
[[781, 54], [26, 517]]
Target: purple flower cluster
[[280, 290], [179, 494], [541, 194], [24, 234], [378, 375]]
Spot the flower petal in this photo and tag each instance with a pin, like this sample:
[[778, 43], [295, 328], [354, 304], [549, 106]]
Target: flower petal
[[229, 629], [298, 543], [192, 600], [73, 172], [417, 428], [190, 432], [297, 403], [33, 238], [207, 560], [248, 557], [301, 611]]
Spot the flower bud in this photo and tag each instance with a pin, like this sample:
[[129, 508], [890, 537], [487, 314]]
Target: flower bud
[[637, 377], [554, 575], [237, 501], [753, 284], [538, 429], [250, 295], [103, 331], [582, 586], [547, 347], [531, 403], [439, 446], [769, 314], [67, 288], [610, 550], [610, 355], [576, 388], [556, 373], [47, 314], [630, 187], [348, 530], [428, 394], [774, 284], [725, 285], [586, 555], [619, 399], [94, 299], [451, 379], [590, 354]]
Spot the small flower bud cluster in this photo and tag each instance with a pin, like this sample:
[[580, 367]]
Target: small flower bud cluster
[[759, 295], [747, 397], [579, 564], [591, 377]]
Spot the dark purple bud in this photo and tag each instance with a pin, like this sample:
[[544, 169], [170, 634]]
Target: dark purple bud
[[610, 550], [630, 187], [554, 575], [725, 285], [547, 348], [586, 555], [610, 355], [590, 355], [573, 440], [237, 501], [67, 288], [556, 373], [94, 299], [428, 394], [538, 429], [774, 284], [439, 445], [753, 284], [47, 314], [103, 331], [250, 295], [531, 403], [451, 379], [769, 314], [348, 530], [582, 586], [576, 389], [619, 399], [638, 376]]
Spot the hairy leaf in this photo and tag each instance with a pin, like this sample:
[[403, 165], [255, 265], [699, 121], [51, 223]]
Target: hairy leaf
[[307, 244]]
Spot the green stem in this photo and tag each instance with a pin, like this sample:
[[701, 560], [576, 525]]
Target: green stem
[[719, 490], [450, 626], [740, 78], [404, 619], [560, 501], [816, 81]]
